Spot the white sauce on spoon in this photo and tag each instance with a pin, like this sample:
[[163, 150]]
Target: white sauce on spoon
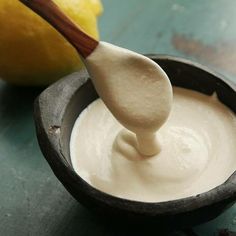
[[198, 151], [135, 89]]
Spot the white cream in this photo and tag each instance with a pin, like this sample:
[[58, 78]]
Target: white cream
[[135, 89], [198, 150]]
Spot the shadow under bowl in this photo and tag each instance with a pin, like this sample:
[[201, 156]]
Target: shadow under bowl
[[56, 111]]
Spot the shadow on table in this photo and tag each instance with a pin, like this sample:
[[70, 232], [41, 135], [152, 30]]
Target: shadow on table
[[142, 228], [83, 222], [16, 113], [17, 130], [14, 99]]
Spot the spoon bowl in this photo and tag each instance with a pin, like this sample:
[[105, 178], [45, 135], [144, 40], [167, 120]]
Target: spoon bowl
[[56, 110]]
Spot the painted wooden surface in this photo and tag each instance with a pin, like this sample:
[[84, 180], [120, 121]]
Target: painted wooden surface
[[32, 201]]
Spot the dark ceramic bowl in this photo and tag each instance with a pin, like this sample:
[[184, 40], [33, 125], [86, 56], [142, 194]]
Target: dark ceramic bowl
[[56, 110]]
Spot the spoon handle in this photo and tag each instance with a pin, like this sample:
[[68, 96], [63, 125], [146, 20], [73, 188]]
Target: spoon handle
[[48, 10]]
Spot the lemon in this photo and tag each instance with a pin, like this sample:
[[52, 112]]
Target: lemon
[[31, 51]]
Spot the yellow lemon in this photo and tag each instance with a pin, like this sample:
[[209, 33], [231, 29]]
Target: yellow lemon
[[31, 51]]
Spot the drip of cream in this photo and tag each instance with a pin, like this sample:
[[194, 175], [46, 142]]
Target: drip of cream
[[135, 89], [198, 150]]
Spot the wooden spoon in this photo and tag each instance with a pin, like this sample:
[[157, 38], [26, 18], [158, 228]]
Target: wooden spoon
[[48, 10]]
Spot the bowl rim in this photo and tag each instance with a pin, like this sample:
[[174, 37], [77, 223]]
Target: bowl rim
[[51, 148]]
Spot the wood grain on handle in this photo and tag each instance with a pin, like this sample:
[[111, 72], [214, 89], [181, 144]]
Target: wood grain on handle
[[48, 10]]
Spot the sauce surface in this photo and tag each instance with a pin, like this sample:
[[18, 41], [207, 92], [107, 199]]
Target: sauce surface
[[198, 150]]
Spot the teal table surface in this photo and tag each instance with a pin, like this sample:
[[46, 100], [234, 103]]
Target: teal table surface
[[32, 200]]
